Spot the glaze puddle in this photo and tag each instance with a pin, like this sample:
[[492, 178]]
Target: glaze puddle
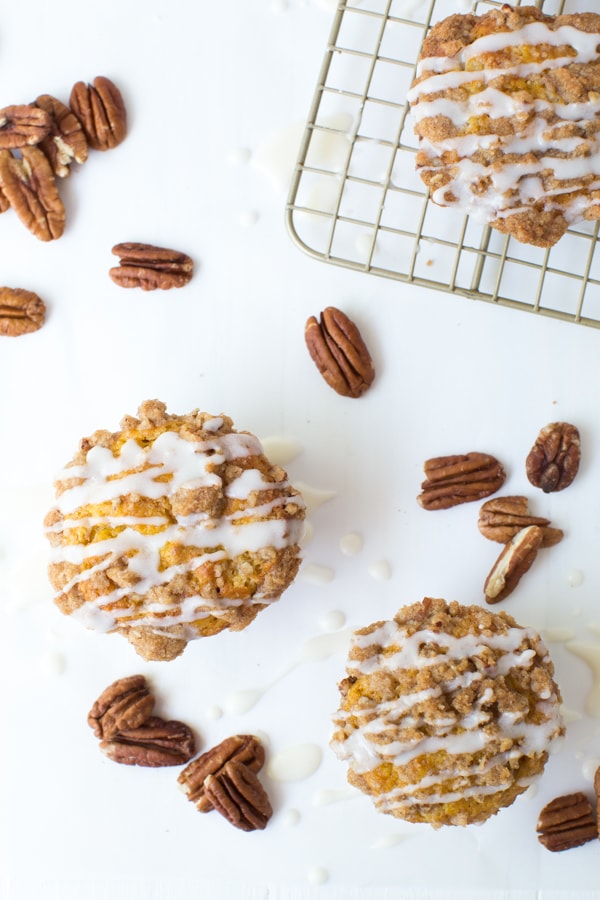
[[316, 649]]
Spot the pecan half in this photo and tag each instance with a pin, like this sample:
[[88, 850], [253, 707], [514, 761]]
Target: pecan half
[[101, 111], [451, 480], [65, 140], [553, 461], [149, 267], [21, 312], [567, 822], [156, 743], [339, 352], [30, 187], [241, 748], [515, 560], [502, 517], [125, 704], [238, 795], [22, 126]]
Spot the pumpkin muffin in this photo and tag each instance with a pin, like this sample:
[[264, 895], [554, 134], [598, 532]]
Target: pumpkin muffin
[[447, 714], [506, 107], [173, 528]]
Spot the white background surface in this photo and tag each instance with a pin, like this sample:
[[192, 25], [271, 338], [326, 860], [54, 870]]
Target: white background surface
[[203, 82]]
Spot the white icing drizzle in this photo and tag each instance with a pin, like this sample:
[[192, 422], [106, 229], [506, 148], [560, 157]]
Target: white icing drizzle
[[170, 464], [313, 573], [316, 649], [590, 653], [325, 796], [575, 578], [574, 160], [362, 729], [332, 620], [295, 763], [291, 818], [317, 875], [351, 544], [380, 570]]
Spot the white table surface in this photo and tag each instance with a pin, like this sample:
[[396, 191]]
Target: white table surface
[[209, 88]]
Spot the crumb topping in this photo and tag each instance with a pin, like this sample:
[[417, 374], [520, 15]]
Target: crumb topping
[[507, 111], [175, 525], [447, 712]]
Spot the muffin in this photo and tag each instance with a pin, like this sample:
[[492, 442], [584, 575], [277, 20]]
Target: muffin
[[447, 714], [506, 107], [173, 528]]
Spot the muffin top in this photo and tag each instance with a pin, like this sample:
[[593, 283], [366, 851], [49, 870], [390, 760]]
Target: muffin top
[[443, 704], [170, 523], [507, 111]]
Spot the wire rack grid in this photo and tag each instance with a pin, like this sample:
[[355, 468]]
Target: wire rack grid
[[356, 201]]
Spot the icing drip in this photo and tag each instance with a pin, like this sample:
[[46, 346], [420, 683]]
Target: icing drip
[[169, 465], [543, 161]]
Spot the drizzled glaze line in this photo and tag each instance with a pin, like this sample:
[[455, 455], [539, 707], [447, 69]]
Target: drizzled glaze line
[[170, 464], [364, 729]]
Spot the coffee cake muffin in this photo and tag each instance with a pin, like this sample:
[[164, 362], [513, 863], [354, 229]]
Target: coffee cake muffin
[[506, 107], [175, 527], [447, 714]]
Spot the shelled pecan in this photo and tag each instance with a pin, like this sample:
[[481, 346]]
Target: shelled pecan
[[101, 111], [553, 461], [22, 126], [21, 312], [125, 704], [339, 352], [502, 517], [240, 748], [567, 822], [515, 560], [237, 794], [65, 141], [155, 743], [451, 480], [150, 268], [29, 185]]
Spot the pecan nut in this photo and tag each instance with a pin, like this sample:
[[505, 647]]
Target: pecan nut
[[30, 187], [237, 794], [567, 822], [125, 704], [23, 126], [155, 743], [65, 141], [150, 268], [451, 480], [339, 352], [240, 748], [515, 560], [502, 517], [553, 461], [101, 111], [21, 312]]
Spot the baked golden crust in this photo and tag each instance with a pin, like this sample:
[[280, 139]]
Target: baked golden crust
[[507, 111], [447, 712], [172, 528]]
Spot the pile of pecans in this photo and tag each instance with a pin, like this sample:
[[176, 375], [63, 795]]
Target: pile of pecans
[[122, 718], [39, 141], [551, 464], [223, 778]]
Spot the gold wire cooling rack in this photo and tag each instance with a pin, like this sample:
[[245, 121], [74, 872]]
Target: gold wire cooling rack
[[356, 201]]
